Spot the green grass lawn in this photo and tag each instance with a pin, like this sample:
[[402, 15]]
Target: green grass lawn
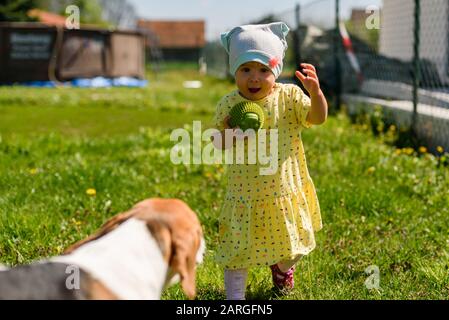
[[379, 207]]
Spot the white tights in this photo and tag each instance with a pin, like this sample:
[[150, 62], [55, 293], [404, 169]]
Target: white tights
[[235, 283], [235, 279]]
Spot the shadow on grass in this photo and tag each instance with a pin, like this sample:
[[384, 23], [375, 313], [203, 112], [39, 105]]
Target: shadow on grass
[[268, 294], [261, 293]]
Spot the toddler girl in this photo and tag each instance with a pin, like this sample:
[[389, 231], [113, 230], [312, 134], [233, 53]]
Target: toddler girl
[[268, 220]]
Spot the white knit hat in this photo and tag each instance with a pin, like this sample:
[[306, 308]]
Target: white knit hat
[[264, 43]]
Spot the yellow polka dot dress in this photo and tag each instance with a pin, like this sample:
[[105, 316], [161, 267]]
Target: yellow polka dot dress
[[269, 218]]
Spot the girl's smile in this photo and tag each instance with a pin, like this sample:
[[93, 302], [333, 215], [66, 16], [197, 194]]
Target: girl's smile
[[254, 90]]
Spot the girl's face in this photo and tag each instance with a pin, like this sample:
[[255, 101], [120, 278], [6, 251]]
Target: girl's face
[[254, 80]]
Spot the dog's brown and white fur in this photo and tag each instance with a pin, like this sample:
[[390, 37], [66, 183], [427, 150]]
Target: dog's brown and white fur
[[134, 255]]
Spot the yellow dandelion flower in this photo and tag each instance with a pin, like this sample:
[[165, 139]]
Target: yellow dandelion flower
[[440, 149], [91, 192], [33, 171], [371, 170], [422, 149], [408, 151], [392, 127], [398, 151]]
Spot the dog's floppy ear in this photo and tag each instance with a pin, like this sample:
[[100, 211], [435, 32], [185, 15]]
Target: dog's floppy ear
[[162, 234], [186, 234], [184, 260]]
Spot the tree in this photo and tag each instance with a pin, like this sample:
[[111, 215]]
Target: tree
[[16, 10], [266, 19], [120, 13], [90, 10]]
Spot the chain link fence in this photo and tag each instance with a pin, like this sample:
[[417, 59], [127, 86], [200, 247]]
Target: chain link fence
[[216, 59], [399, 60], [392, 54]]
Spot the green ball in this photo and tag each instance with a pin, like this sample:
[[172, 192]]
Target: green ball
[[246, 115]]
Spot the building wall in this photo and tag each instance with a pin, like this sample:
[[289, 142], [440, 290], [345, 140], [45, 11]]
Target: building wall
[[176, 34], [181, 54], [396, 32], [177, 40]]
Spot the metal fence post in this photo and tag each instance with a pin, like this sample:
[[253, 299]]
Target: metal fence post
[[416, 71], [337, 57], [297, 42], [228, 68]]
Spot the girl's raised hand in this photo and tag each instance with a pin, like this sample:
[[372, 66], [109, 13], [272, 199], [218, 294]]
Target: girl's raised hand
[[310, 80]]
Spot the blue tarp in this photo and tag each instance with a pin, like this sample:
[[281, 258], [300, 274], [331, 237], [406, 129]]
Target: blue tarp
[[98, 82]]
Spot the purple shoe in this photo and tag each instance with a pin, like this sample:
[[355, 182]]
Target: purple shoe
[[283, 281]]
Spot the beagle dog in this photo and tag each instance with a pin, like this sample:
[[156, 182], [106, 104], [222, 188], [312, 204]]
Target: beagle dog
[[134, 255]]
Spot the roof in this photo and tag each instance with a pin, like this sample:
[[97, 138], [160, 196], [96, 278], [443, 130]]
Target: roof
[[176, 34], [84, 30], [48, 18]]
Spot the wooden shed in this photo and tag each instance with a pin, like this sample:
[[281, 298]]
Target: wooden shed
[[38, 52]]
